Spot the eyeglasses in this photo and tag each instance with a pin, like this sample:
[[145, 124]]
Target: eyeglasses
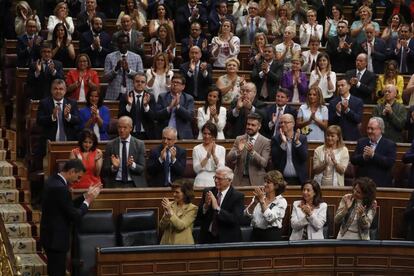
[[219, 178]]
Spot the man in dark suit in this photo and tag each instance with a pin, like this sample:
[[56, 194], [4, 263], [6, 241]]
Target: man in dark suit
[[28, 45], [42, 73], [188, 14], [59, 212], [84, 20], [293, 165], [140, 106], [403, 50], [167, 161], [196, 38], [346, 111], [198, 75], [136, 38], [266, 75], [216, 18], [124, 160], [220, 210], [362, 81], [96, 43], [241, 107], [375, 155], [176, 108]]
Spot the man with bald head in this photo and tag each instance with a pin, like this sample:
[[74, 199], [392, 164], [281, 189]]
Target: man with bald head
[[362, 81], [136, 38], [394, 114], [124, 160]]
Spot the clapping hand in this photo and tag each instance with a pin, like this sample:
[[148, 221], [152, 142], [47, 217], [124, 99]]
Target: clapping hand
[[348, 201], [259, 194], [166, 205], [66, 111], [368, 152], [242, 145], [130, 161], [360, 209], [297, 136], [213, 200], [93, 192], [116, 161]]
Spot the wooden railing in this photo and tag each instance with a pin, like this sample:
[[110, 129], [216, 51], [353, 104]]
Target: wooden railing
[[8, 265]]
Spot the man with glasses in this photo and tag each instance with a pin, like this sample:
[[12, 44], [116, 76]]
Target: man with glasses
[[290, 152], [176, 108], [167, 161], [196, 38], [221, 210], [251, 24], [375, 155]]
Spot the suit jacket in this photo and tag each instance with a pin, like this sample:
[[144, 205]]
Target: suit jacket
[[408, 158], [156, 168], [97, 56], [185, 48], [409, 218], [203, 82], [379, 55], [409, 55], [136, 150], [366, 89], [183, 115], [115, 78], [271, 79], [133, 43], [257, 164], [27, 55], [39, 87], [314, 223], [214, 22], [82, 22], [287, 82], [147, 118], [348, 121], [183, 25], [394, 123], [59, 211], [84, 115], [299, 157], [228, 219], [380, 166], [341, 60], [243, 28], [268, 123]]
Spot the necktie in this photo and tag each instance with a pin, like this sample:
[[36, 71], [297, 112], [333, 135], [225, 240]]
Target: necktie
[[138, 121], [369, 51], [279, 114], [61, 130], [214, 223], [359, 75], [167, 177], [124, 159], [247, 163], [403, 61], [123, 73], [195, 92], [313, 65], [251, 31]]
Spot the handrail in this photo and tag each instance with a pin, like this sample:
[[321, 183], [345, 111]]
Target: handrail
[[8, 264]]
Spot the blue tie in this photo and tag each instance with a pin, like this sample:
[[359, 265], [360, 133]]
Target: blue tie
[[251, 31], [167, 177], [61, 134]]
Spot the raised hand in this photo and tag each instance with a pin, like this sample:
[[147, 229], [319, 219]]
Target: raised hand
[[115, 160], [66, 111]]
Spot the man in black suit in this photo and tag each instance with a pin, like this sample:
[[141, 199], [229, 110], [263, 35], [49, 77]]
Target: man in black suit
[[346, 111], [196, 38], [375, 155], [28, 45], [140, 106], [188, 14], [84, 20], [167, 161], [59, 212], [402, 49], [267, 74], [42, 73], [220, 210], [362, 81], [198, 75], [96, 43], [215, 19]]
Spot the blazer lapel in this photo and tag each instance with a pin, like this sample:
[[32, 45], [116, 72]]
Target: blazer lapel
[[225, 199]]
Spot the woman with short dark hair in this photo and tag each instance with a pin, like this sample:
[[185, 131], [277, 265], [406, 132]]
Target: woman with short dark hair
[[212, 111], [62, 46]]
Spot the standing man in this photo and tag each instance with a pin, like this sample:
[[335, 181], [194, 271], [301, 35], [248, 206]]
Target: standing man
[[85, 18], [196, 38], [403, 50], [28, 45], [221, 210], [215, 19], [275, 111], [251, 24], [124, 159], [59, 212], [250, 154], [135, 38], [187, 14]]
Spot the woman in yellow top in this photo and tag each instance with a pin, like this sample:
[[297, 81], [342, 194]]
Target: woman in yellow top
[[390, 76], [179, 215]]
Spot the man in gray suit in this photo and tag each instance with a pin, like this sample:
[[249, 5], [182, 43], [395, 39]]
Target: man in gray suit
[[250, 154], [124, 159], [249, 25], [136, 38]]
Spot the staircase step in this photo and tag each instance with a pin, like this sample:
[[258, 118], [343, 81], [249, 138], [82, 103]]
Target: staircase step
[[13, 213], [23, 245], [31, 264], [3, 155], [19, 230], [7, 182], [6, 169], [9, 196]]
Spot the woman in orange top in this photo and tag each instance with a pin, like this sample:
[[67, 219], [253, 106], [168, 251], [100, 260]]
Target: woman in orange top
[[91, 158]]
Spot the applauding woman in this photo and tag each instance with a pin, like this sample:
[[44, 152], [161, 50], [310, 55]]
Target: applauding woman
[[61, 15], [212, 111], [62, 47], [81, 80], [164, 42], [230, 83], [225, 45], [267, 208], [323, 77], [356, 211], [179, 215], [159, 75], [308, 214]]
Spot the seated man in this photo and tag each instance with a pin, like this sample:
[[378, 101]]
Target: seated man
[[275, 112], [28, 45], [250, 154], [167, 161], [124, 159], [220, 210], [375, 155]]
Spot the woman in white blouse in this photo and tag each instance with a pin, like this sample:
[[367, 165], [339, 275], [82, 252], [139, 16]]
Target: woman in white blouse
[[308, 214], [323, 77], [159, 75], [312, 28], [207, 157], [267, 208], [212, 111], [225, 45], [60, 16]]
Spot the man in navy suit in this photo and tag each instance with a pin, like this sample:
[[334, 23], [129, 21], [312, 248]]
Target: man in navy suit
[[221, 210], [375, 155], [84, 21], [403, 50], [175, 108], [167, 161], [28, 45], [96, 43], [196, 38], [216, 18], [188, 14], [346, 111], [59, 212], [198, 75]]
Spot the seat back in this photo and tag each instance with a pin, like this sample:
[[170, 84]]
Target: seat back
[[138, 228]]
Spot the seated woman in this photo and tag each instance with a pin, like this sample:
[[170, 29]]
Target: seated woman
[[81, 80], [162, 18], [331, 159], [323, 77], [308, 214], [179, 215], [24, 12], [256, 51], [164, 42], [91, 158], [313, 116], [159, 75], [224, 46], [267, 208], [95, 116], [212, 111], [207, 157], [230, 83], [356, 211], [60, 16], [62, 47], [281, 22], [390, 76], [139, 20], [296, 81]]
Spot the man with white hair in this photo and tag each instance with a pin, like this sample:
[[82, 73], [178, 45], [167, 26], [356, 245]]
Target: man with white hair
[[375, 155], [220, 210], [251, 24]]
